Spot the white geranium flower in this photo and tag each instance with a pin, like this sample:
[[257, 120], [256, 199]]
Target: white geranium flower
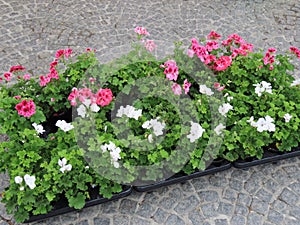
[[129, 111], [219, 129], [18, 180], [223, 109], [263, 87], [263, 124], [205, 90], [196, 132], [87, 102], [30, 181], [155, 125], [295, 82], [62, 124], [287, 117], [94, 107], [22, 188], [251, 121], [116, 164], [150, 138], [115, 154], [81, 110], [39, 128], [64, 166]]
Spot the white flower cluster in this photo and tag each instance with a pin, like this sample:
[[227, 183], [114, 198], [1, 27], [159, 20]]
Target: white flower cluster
[[263, 124], [82, 109], [263, 87], [129, 111], [287, 117], [295, 82], [219, 129], [114, 152], [64, 166], [29, 181], [39, 128], [205, 90], [155, 125], [62, 124], [196, 132], [224, 109]]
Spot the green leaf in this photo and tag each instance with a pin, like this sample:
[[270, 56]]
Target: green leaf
[[78, 201]]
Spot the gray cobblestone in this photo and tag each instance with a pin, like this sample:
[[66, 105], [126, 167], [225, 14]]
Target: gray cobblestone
[[31, 32]]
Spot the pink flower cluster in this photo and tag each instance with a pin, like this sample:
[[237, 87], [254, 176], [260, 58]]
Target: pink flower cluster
[[53, 74], [14, 69], [269, 58], [171, 70], [141, 31], [295, 50], [102, 98], [207, 53], [25, 108], [148, 44], [63, 52]]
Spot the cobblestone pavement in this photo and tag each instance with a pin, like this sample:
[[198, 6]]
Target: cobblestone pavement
[[31, 30]]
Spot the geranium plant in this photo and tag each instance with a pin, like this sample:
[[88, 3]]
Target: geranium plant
[[139, 119]]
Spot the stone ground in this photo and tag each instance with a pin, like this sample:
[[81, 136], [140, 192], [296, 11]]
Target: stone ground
[[31, 31]]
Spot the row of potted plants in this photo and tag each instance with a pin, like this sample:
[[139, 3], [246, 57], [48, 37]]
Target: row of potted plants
[[87, 126]]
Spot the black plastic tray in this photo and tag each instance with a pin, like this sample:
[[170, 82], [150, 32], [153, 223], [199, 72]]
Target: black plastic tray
[[182, 177], [61, 207], [268, 157]]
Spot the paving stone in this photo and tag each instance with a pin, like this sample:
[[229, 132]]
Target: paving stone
[[167, 203], [208, 196], [254, 219], [221, 222], [84, 222], [275, 217], [173, 219], [128, 206], [259, 206], [241, 210], [288, 196], [140, 221], [209, 210], [237, 220], [195, 217], [187, 204], [145, 210], [101, 221], [225, 208], [264, 195], [160, 216], [121, 219]]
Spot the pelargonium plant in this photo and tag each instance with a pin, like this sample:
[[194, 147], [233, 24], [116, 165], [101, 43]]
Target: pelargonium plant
[[140, 119]]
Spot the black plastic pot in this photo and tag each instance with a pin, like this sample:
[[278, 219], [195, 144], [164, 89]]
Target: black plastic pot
[[61, 207], [270, 155], [216, 166]]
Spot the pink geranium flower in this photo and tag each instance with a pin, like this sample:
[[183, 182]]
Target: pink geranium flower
[[7, 76], [213, 36], [211, 45], [222, 63], [150, 45], [104, 97], [16, 68], [26, 77], [176, 88], [171, 70], [68, 52], [26, 108], [44, 81], [141, 31], [59, 53], [186, 86]]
